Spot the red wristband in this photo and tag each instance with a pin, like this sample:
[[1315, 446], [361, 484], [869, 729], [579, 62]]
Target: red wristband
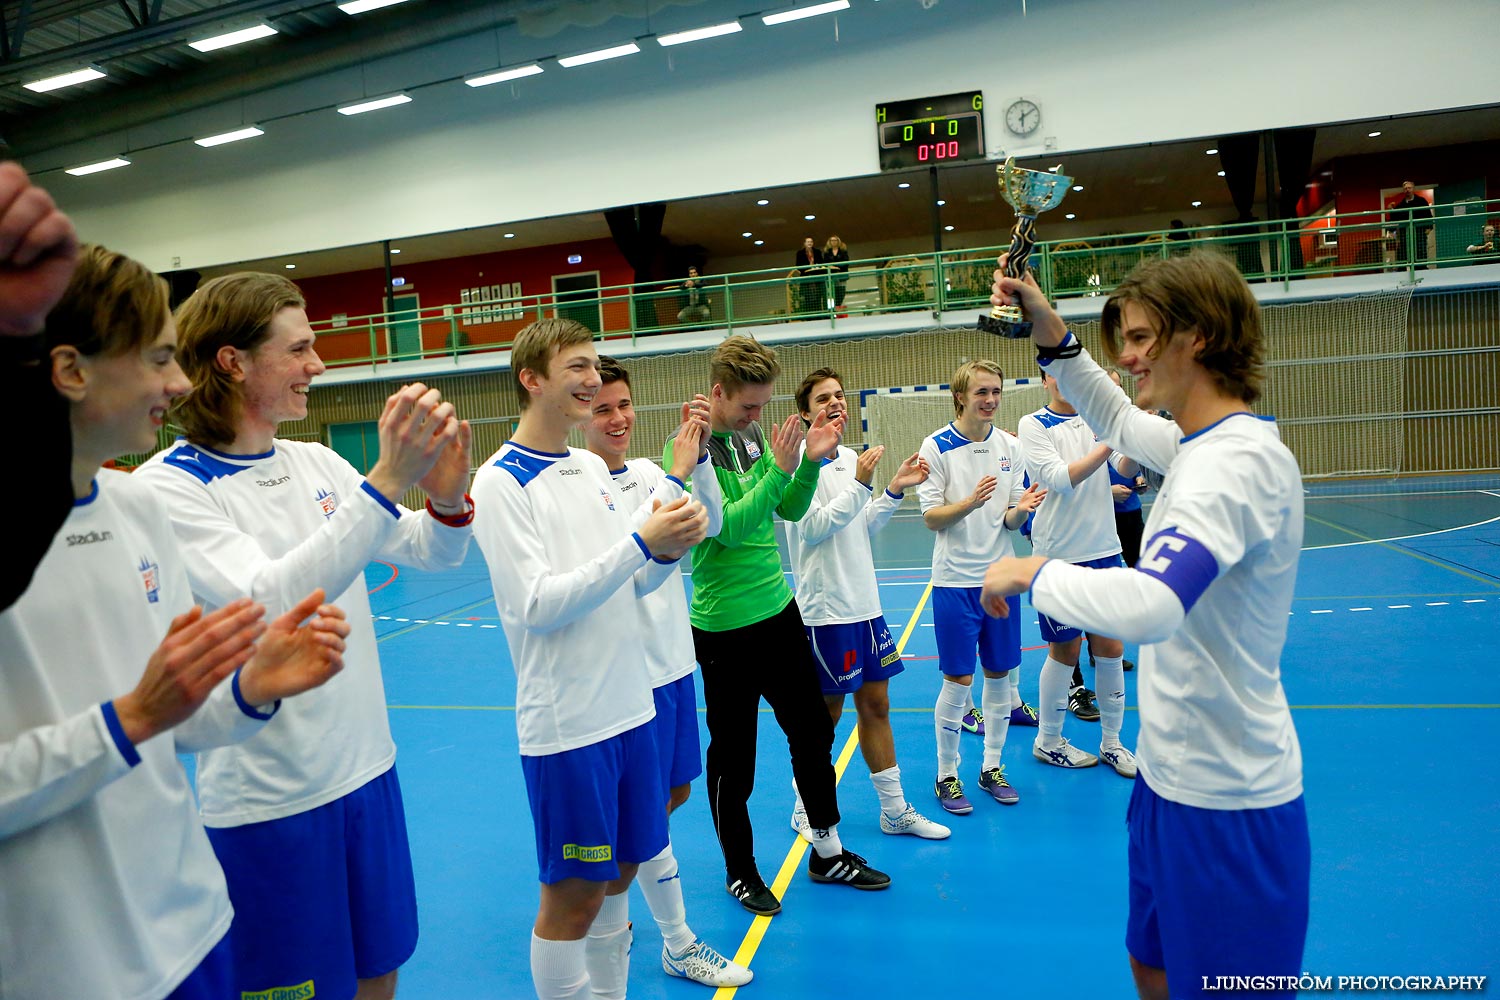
[[462, 519]]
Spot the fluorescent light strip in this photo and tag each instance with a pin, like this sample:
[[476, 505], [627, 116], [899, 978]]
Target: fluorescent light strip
[[248, 132], [484, 80], [360, 6], [65, 80], [798, 13], [599, 55], [375, 105], [94, 168], [233, 38], [697, 34]]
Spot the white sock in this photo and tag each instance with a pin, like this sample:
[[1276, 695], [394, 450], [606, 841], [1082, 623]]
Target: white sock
[[996, 701], [662, 886], [1109, 680], [827, 843], [557, 969], [1015, 686], [949, 717], [606, 951], [888, 786], [1052, 701]]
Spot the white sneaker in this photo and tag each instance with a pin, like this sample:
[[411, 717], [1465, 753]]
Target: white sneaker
[[914, 823], [1064, 754], [799, 823], [1117, 757], [703, 965]]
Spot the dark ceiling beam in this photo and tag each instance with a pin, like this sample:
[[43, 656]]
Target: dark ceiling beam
[[130, 14], [11, 39]]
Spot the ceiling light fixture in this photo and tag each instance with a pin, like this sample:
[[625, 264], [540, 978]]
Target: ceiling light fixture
[[941, 202], [760, 243], [1211, 152], [394, 250], [746, 235], [764, 201], [1197, 204], [1070, 215], [94, 168], [599, 55], [1374, 135], [510, 236], [291, 267], [233, 38], [248, 132], [65, 80], [360, 6], [798, 13], [809, 218], [697, 34], [948, 229], [500, 76], [903, 185], [1077, 187], [1221, 173], [375, 105]]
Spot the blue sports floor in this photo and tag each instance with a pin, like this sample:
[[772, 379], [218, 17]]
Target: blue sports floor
[[1390, 668]]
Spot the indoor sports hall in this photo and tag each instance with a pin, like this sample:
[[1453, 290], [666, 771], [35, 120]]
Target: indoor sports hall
[[437, 174]]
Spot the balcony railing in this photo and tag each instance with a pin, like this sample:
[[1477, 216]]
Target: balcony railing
[[1281, 251]]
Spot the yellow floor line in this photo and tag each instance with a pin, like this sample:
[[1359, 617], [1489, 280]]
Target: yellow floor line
[[783, 880]]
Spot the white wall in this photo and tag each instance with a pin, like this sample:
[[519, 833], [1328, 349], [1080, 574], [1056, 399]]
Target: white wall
[[771, 106]]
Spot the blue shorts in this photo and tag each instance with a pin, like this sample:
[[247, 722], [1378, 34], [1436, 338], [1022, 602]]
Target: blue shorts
[[676, 725], [848, 655], [961, 626], [213, 979], [1056, 631], [325, 897], [1217, 892], [597, 807]]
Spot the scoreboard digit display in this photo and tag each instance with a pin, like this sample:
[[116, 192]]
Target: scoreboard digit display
[[930, 130]]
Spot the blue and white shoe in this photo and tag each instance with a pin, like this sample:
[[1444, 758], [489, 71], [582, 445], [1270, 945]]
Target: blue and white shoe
[[1117, 757], [1064, 754], [702, 964]]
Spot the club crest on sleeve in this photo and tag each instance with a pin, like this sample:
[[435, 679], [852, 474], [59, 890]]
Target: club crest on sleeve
[[328, 502], [151, 578]]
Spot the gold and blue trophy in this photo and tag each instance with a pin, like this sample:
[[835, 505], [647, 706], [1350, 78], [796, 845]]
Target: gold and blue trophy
[[1030, 193]]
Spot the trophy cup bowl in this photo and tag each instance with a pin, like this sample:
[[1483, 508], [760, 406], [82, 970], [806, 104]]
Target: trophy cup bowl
[[1030, 193]]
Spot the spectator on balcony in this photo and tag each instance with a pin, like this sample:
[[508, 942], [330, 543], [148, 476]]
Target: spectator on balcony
[[1407, 209], [696, 308], [810, 264], [1486, 245], [836, 255], [1179, 230]]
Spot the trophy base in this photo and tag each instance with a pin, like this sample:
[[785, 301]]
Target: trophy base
[[1009, 323]]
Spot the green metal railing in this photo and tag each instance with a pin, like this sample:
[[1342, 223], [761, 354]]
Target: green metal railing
[[1282, 251]]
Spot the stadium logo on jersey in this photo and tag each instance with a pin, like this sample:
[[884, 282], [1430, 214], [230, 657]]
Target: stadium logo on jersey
[[273, 482], [328, 502], [582, 852], [628, 486], [981, 451], [570, 472], [607, 501], [151, 578], [89, 539]]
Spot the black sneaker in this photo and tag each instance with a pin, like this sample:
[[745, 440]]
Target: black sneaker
[[753, 895], [1081, 703], [847, 869], [1129, 665]]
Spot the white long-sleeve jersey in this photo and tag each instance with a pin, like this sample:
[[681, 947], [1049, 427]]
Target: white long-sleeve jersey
[[1075, 523], [568, 571], [964, 550], [667, 630], [830, 546], [1208, 601], [108, 886], [274, 527]]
